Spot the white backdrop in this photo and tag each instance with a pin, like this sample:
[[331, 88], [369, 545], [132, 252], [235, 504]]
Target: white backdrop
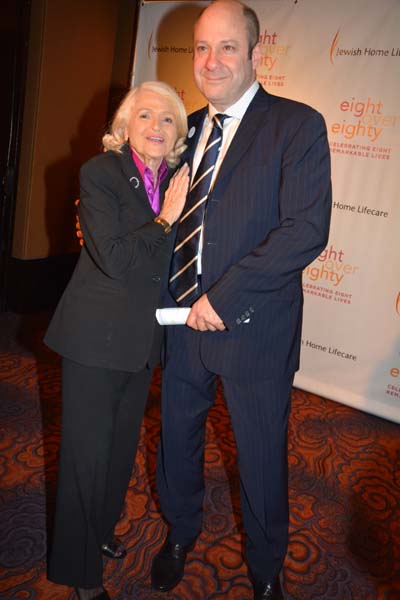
[[343, 58]]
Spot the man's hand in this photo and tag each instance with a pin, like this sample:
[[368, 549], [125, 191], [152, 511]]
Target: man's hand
[[78, 231], [203, 317]]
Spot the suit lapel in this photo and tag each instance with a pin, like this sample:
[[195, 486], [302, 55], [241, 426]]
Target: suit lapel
[[253, 119], [132, 175]]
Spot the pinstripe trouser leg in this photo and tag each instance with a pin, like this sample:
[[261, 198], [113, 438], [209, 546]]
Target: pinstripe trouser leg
[[259, 411]]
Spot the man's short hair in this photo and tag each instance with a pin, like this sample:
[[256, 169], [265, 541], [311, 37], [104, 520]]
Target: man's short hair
[[253, 27], [252, 23]]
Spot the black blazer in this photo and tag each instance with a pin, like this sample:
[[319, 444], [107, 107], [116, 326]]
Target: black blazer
[[267, 217], [106, 316]]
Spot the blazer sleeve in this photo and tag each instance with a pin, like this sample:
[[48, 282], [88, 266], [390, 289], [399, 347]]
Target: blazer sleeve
[[304, 209], [112, 249]]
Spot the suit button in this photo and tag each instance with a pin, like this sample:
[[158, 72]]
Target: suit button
[[156, 278]]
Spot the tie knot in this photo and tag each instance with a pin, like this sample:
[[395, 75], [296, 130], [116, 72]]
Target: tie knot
[[219, 119]]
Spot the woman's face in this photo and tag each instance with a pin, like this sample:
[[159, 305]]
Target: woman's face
[[152, 128]]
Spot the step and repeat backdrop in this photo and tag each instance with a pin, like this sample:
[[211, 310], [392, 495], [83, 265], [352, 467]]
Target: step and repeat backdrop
[[342, 58]]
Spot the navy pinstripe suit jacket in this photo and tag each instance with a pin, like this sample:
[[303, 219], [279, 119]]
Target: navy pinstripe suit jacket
[[266, 219]]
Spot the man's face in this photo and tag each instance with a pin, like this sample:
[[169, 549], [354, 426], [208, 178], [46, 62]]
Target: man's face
[[222, 68]]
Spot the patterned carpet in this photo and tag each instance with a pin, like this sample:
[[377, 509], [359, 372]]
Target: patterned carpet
[[344, 494]]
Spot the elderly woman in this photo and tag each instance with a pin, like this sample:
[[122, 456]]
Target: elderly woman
[[105, 329]]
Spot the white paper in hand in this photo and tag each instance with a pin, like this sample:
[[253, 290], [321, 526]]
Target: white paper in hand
[[172, 316]]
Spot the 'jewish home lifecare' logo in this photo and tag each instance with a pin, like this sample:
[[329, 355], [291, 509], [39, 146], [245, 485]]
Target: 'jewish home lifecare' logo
[[337, 50]]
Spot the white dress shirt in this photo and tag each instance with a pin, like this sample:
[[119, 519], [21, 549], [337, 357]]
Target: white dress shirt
[[235, 114]]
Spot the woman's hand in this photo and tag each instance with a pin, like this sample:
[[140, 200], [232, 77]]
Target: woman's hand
[[78, 230], [175, 196]]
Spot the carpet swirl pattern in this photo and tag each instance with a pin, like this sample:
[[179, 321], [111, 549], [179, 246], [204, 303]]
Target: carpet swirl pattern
[[344, 494]]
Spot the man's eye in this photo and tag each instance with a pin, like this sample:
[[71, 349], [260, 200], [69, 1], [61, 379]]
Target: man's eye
[[143, 116], [228, 48], [201, 49]]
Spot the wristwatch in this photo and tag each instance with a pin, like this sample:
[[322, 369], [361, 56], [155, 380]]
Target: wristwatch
[[164, 224]]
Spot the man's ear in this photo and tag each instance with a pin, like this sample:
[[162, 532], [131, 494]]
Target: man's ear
[[256, 55]]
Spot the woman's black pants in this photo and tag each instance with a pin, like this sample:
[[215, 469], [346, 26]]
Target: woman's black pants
[[101, 417]]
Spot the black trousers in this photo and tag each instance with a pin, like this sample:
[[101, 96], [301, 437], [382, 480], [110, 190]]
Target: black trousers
[[259, 413], [102, 411]]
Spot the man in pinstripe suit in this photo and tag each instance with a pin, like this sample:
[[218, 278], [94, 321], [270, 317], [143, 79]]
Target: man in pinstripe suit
[[267, 217]]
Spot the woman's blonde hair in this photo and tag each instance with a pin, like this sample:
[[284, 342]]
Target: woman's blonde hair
[[116, 138]]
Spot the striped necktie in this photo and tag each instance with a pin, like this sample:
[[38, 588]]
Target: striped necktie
[[183, 283]]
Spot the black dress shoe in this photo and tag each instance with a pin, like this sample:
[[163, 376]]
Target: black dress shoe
[[114, 549], [268, 591], [168, 566]]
